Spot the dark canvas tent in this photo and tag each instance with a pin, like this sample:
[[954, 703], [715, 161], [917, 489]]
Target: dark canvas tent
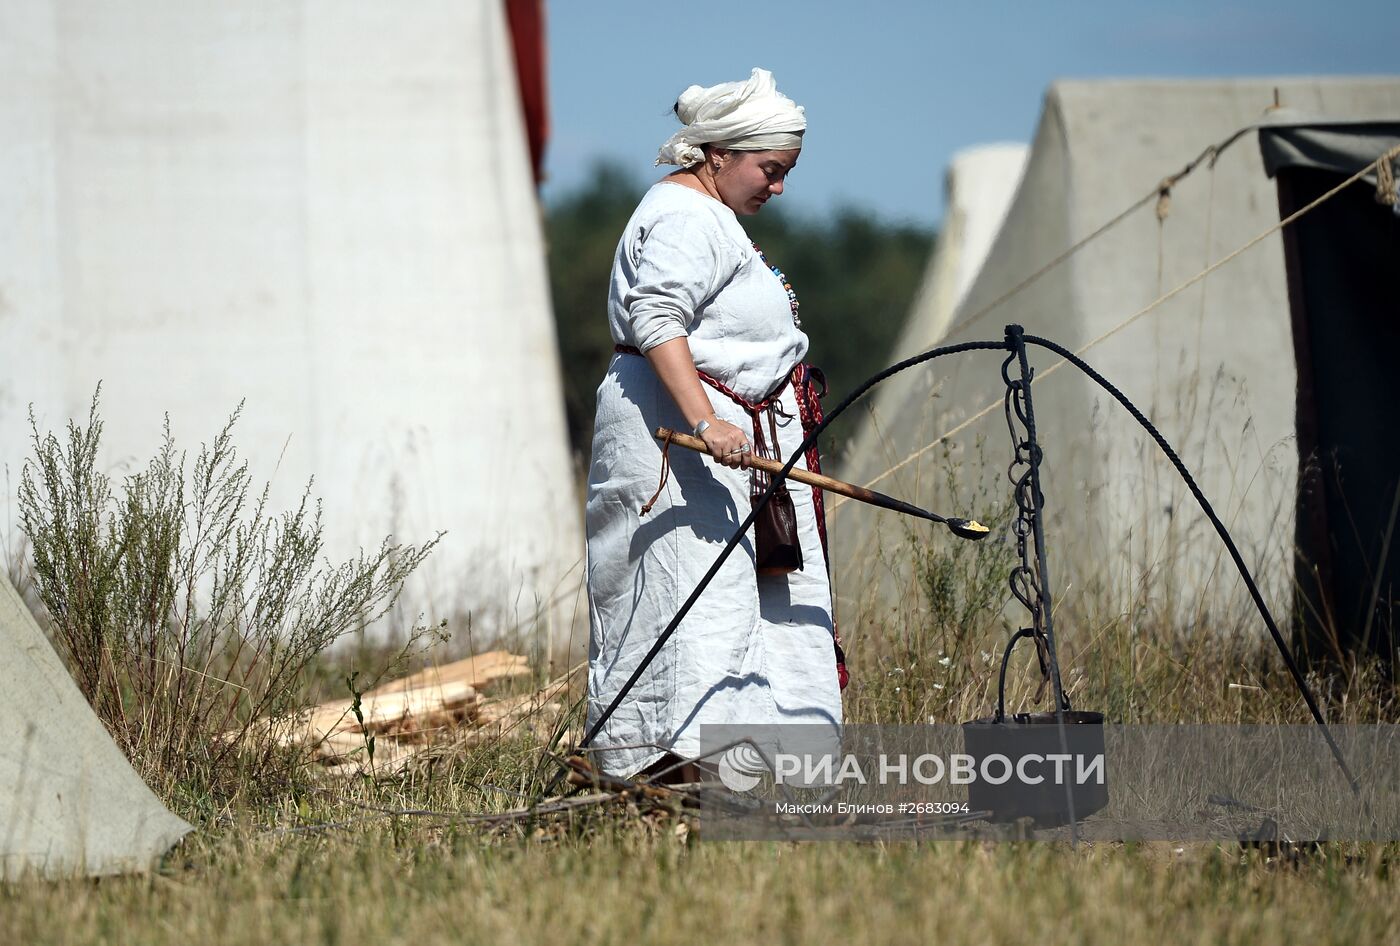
[[1341, 262]]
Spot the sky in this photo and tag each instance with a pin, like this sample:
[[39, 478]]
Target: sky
[[893, 89]]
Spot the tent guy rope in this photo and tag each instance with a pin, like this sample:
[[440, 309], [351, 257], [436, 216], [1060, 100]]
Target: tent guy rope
[[1160, 193], [1381, 161]]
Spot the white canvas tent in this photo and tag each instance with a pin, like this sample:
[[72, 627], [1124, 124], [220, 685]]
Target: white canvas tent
[[978, 188], [325, 209], [1214, 366], [70, 804]]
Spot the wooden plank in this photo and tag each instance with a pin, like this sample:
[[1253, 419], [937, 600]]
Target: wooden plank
[[479, 672]]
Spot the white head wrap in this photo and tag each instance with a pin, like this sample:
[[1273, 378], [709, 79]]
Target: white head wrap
[[748, 116]]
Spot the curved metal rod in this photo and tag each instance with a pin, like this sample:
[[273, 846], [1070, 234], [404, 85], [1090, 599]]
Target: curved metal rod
[[1002, 345], [1001, 677], [1238, 559], [738, 535]]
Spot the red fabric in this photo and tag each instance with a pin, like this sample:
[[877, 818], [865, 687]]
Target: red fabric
[[804, 379], [526, 18], [752, 408]]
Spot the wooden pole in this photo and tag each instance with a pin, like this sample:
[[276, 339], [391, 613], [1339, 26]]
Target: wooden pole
[[966, 528]]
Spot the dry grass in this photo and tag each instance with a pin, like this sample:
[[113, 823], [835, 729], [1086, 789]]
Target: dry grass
[[335, 863], [621, 880], [929, 651], [336, 860]]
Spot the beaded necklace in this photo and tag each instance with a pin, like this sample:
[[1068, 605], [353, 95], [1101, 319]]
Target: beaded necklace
[[791, 293]]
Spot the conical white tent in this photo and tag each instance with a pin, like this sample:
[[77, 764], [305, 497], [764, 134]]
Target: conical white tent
[[327, 210], [70, 803], [1214, 365]]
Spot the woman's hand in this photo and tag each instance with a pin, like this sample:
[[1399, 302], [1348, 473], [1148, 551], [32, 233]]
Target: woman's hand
[[676, 368], [727, 443]]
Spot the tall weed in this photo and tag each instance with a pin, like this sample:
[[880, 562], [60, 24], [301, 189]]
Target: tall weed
[[186, 609]]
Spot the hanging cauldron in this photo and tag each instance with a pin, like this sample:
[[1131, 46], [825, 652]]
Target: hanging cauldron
[[1049, 767]]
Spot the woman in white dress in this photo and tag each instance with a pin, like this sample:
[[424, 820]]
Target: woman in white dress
[[705, 330]]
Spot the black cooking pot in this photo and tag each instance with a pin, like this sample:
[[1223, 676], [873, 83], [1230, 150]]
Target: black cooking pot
[[1049, 767], [1053, 778]]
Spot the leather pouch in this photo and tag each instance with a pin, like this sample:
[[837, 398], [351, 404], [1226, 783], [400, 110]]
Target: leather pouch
[[777, 550]]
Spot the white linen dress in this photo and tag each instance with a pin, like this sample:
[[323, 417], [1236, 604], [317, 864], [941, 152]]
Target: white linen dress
[[754, 649]]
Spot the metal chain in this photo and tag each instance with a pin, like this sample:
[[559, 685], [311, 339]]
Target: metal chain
[[1024, 579]]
